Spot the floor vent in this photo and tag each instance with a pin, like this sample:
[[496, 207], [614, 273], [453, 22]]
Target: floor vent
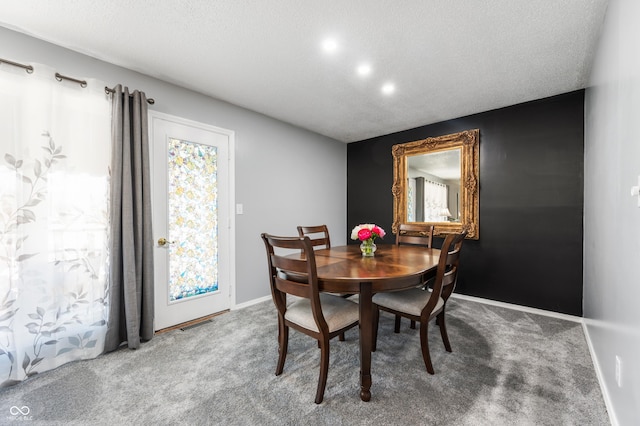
[[189, 327]]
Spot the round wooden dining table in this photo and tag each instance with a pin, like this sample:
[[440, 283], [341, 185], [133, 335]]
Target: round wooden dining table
[[343, 269]]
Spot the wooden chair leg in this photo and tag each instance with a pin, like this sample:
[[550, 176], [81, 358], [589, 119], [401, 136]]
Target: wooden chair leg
[[424, 345], [324, 369], [396, 328], [374, 335], [413, 324], [443, 331], [283, 337], [341, 337]]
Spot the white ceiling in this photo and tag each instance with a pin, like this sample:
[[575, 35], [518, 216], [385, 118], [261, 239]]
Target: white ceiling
[[447, 58], [443, 164]]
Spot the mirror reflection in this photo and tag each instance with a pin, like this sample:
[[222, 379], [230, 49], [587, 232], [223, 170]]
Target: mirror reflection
[[436, 181], [433, 187]]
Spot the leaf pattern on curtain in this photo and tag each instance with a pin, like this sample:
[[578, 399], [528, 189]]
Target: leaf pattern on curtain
[[435, 201], [53, 223]]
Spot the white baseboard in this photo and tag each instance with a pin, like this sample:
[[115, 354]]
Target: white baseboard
[[605, 394], [596, 365], [518, 307], [250, 302]]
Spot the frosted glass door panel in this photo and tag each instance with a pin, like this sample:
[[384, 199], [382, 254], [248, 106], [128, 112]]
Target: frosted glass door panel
[[193, 219]]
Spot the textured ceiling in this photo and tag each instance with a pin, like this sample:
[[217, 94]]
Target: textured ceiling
[[446, 58]]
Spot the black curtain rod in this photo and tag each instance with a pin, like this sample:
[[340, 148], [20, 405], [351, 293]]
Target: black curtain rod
[[110, 91], [60, 77]]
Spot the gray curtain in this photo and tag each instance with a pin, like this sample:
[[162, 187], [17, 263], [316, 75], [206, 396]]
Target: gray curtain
[[131, 257]]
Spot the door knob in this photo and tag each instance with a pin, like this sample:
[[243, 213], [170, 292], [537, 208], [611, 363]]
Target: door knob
[[163, 241]]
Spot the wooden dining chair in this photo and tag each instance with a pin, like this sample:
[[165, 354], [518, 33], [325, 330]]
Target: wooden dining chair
[[424, 305], [416, 234], [319, 235], [319, 315]]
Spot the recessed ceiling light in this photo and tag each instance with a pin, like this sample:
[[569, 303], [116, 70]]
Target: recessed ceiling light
[[329, 45], [388, 88], [364, 70]]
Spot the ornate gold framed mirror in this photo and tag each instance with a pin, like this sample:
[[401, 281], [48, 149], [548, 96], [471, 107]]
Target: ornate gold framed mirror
[[436, 181]]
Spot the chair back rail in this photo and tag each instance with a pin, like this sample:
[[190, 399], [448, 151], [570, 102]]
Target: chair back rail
[[415, 233], [319, 235], [447, 272]]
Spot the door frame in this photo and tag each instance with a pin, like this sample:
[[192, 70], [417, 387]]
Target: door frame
[[155, 115]]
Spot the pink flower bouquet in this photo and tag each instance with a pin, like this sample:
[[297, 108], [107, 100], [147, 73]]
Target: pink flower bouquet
[[367, 232]]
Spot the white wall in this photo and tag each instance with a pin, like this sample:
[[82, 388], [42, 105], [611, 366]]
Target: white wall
[[612, 216], [284, 176]]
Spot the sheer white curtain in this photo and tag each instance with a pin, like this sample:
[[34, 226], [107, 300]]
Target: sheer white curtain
[[435, 201], [54, 189], [411, 200]]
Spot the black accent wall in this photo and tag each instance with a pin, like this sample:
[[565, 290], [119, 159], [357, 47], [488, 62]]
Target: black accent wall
[[531, 200]]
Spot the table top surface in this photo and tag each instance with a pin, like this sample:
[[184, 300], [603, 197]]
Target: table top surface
[[343, 268]]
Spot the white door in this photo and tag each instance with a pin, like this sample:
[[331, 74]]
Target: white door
[[192, 220]]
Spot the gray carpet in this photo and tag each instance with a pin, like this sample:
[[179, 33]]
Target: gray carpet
[[507, 368]]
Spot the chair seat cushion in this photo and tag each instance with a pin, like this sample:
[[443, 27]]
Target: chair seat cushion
[[338, 312], [410, 301]]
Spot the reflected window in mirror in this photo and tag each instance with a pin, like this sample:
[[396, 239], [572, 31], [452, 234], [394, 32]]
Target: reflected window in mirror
[[434, 187]]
